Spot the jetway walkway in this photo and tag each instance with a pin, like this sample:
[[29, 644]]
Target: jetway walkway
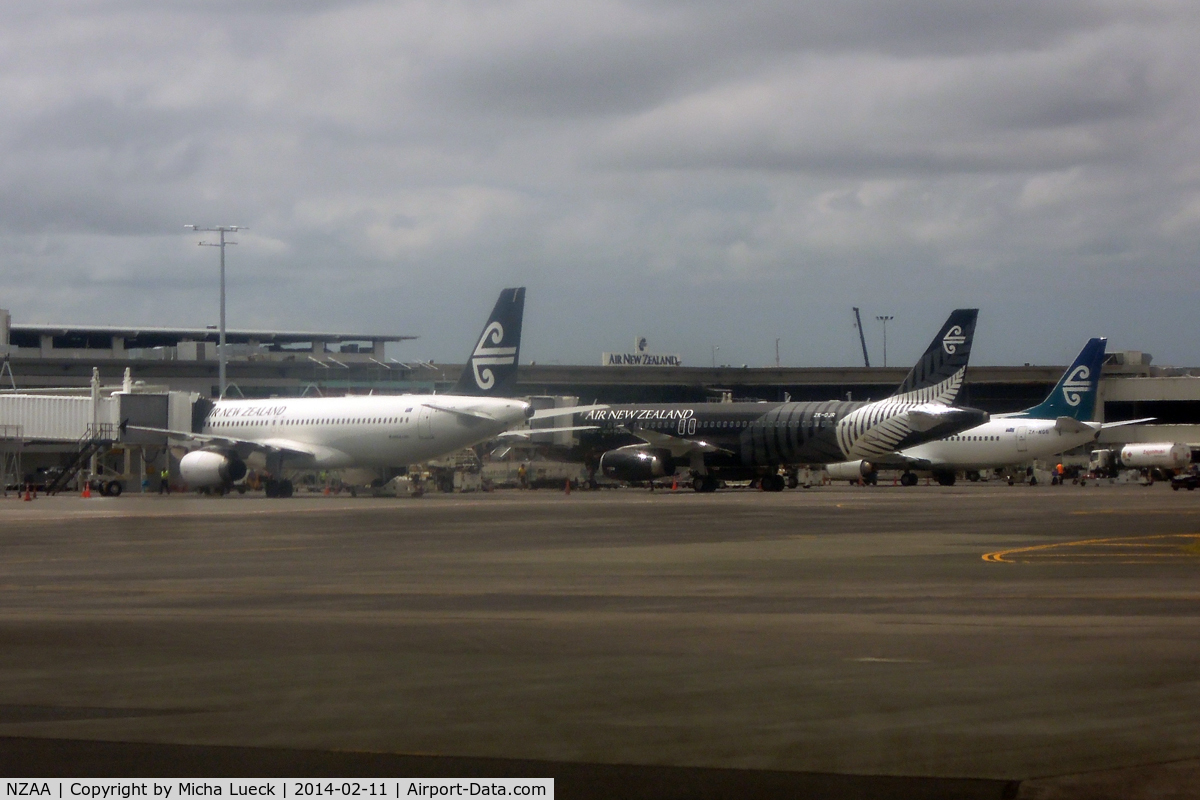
[[12, 445]]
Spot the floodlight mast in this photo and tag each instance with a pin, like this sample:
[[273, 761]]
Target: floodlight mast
[[885, 319], [222, 230]]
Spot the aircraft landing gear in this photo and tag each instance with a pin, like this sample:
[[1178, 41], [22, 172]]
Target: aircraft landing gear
[[944, 478], [908, 479], [704, 483], [278, 488], [772, 483]]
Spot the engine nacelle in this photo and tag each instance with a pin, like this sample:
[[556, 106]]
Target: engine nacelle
[[636, 463], [849, 470], [202, 468], [1164, 455]]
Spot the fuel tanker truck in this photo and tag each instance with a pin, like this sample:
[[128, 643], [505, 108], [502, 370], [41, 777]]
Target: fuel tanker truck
[[1154, 459]]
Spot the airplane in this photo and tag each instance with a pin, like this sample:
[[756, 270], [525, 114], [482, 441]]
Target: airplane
[[1060, 422], [740, 441], [371, 430]]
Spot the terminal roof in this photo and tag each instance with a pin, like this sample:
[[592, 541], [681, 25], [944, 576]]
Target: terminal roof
[[172, 336]]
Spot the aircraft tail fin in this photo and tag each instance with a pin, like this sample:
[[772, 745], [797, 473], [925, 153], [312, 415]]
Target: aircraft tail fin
[[937, 377], [492, 366], [1075, 393]]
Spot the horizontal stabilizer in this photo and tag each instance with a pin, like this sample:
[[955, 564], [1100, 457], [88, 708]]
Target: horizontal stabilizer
[[1070, 425], [462, 412], [928, 416]]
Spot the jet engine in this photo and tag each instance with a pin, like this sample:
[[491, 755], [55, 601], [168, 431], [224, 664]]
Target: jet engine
[[636, 463], [849, 470], [202, 468]]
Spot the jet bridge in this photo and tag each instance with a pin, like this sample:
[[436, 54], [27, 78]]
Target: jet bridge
[[47, 439]]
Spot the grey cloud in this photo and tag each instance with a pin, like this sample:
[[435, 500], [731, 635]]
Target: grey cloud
[[703, 173]]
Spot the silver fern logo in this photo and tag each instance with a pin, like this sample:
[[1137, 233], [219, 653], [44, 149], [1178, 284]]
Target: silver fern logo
[[953, 338], [488, 354], [1076, 384]]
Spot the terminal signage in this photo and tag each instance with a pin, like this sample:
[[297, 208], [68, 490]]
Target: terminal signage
[[640, 360]]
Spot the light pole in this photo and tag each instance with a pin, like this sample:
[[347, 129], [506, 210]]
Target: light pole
[[884, 319], [716, 349], [222, 230]]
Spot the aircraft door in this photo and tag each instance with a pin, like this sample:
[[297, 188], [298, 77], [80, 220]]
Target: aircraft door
[[425, 423], [1022, 443]]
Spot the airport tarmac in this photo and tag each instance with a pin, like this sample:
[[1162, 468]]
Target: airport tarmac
[[979, 640]]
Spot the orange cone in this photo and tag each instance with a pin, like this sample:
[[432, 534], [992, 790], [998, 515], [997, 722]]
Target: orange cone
[[567, 487], [87, 489], [674, 485], [27, 497]]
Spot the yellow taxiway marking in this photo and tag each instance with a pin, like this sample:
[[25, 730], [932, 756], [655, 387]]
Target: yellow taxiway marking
[[1132, 548]]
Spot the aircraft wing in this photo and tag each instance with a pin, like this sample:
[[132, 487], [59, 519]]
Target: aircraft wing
[[245, 446], [901, 461], [1106, 425], [677, 446], [562, 412], [532, 431]]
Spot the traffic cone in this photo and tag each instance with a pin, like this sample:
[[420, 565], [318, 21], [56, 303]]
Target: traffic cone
[[674, 485], [327, 491], [567, 487], [27, 497], [87, 490]]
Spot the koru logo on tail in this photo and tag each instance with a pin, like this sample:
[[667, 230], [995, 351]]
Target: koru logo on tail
[[487, 355], [1078, 382], [953, 338]]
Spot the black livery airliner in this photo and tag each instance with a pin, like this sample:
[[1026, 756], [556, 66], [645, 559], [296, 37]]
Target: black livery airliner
[[741, 441]]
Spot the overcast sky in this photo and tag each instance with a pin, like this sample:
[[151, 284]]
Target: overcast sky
[[706, 174]]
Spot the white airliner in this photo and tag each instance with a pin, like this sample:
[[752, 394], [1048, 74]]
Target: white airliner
[[1059, 423], [367, 431]]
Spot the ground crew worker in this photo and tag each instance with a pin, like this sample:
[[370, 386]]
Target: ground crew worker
[[165, 484], [522, 477]]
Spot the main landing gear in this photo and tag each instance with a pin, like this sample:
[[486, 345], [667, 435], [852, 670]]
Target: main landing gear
[[908, 479], [278, 488], [771, 483], [944, 478], [704, 483]]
